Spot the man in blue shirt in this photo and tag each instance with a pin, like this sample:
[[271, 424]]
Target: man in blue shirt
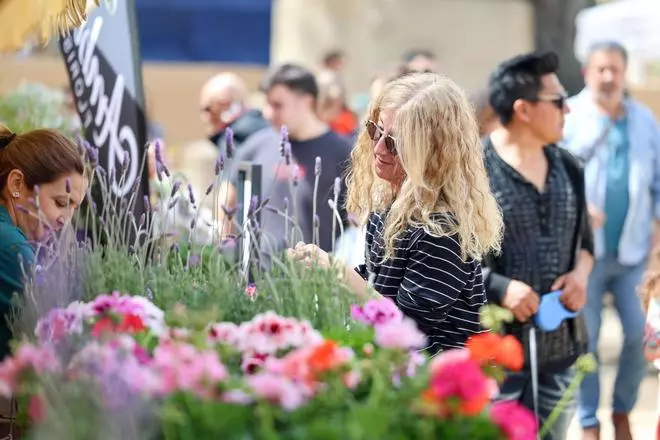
[[619, 141]]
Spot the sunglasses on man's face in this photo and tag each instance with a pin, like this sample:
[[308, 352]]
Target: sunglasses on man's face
[[558, 100], [375, 132]]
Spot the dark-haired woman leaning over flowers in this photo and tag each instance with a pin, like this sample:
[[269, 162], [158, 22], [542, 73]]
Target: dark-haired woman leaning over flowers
[[417, 178]]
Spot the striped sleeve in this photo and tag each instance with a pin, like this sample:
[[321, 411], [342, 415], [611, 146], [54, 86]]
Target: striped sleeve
[[435, 277]]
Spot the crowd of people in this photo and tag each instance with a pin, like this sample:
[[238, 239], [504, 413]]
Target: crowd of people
[[449, 202]]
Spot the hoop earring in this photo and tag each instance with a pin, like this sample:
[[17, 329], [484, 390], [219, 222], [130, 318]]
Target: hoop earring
[[15, 194]]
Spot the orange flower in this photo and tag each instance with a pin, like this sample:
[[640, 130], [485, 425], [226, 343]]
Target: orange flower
[[510, 353], [501, 350], [324, 357], [483, 346]]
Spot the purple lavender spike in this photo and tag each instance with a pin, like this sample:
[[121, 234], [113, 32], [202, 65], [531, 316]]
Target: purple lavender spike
[[175, 188], [219, 164], [287, 153], [284, 139], [191, 194], [229, 140], [158, 151], [229, 212], [147, 203], [254, 203], [159, 171], [194, 260], [296, 175]]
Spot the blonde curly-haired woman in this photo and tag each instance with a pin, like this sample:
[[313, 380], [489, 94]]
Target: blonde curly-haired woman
[[418, 180]]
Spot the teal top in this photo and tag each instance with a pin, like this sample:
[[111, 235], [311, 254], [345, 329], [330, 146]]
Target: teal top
[[617, 198], [15, 255]]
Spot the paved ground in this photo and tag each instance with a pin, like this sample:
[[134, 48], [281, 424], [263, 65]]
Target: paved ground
[[644, 418]]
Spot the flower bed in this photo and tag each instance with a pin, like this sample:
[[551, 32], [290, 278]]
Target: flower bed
[[113, 365]]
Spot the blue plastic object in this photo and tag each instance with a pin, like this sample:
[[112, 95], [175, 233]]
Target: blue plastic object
[[552, 312]]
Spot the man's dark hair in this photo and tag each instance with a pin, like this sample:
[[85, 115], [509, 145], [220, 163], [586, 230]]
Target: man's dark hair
[[294, 77], [519, 78], [412, 54], [607, 46]]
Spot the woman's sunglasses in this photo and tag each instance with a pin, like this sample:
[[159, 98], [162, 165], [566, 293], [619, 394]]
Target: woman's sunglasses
[[375, 132]]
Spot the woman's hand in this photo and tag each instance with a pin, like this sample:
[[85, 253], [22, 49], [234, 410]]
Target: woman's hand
[[309, 254]]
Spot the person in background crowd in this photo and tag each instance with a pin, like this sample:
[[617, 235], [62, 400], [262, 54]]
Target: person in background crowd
[[335, 60], [332, 107], [618, 139], [420, 61], [650, 290], [223, 104], [292, 94], [417, 178], [547, 243], [488, 120]]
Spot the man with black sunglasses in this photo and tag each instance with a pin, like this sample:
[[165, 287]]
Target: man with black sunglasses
[[618, 140], [547, 242]]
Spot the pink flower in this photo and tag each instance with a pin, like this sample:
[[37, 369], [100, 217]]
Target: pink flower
[[59, 323], [119, 367], [377, 312], [115, 303], [456, 376], [402, 335], [251, 291], [28, 358], [181, 367], [352, 379], [223, 333], [277, 390], [37, 409], [269, 333], [237, 397], [515, 421], [253, 362]]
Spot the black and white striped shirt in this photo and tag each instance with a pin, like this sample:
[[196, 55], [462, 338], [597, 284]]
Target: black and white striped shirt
[[429, 281]]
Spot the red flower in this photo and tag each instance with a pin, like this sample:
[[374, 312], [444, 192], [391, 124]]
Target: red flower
[[102, 326], [37, 409], [131, 324]]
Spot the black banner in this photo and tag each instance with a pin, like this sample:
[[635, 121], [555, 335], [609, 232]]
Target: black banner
[[105, 74]]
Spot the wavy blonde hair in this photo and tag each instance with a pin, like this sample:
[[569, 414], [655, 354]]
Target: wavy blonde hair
[[439, 149]]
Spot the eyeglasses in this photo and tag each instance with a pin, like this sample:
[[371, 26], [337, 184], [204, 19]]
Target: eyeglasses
[[559, 100], [375, 132]]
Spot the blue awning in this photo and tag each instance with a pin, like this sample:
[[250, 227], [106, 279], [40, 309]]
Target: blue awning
[[230, 31]]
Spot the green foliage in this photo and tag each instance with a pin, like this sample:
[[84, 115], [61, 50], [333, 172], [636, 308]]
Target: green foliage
[[32, 106]]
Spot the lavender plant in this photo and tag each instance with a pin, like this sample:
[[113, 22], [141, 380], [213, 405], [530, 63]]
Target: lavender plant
[[176, 254]]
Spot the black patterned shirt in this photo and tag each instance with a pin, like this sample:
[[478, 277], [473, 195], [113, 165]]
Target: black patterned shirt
[[539, 245], [429, 281]]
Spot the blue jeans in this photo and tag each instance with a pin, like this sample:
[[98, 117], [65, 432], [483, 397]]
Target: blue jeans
[[609, 275], [552, 386]]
